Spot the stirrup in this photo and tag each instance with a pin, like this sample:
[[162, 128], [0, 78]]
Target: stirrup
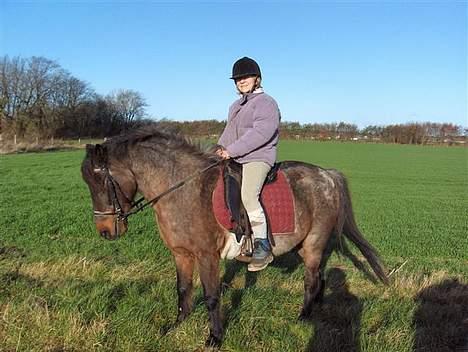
[[257, 264]]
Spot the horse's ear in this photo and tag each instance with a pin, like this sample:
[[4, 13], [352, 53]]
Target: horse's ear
[[89, 149], [101, 154]]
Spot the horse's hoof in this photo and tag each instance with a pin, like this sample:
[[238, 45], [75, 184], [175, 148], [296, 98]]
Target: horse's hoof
[[213, 342], [304, 317], [166, 329], [225, 287], [169, 327], [181, 318]]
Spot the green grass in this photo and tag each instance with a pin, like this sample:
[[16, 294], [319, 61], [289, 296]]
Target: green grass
[[63, 288]]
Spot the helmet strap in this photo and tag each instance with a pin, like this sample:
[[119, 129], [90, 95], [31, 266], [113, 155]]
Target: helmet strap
[[255, 86]]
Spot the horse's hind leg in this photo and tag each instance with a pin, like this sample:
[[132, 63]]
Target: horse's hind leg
[[184, 265], [209, 276], [312, 252]]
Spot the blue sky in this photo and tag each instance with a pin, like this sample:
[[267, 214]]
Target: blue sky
[[363, 62]]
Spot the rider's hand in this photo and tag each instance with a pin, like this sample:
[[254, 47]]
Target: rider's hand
[[223, 153]]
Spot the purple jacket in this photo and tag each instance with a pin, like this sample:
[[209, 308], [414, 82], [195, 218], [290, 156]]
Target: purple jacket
[[251, 132]]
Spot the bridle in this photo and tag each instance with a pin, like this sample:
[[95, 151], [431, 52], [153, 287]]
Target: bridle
[[138, 205], [112, 185]]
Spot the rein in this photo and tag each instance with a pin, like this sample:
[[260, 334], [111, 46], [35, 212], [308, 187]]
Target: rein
[[137, 206]]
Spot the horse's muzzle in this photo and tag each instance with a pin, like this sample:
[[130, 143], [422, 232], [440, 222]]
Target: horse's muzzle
[[107, 235], [110, 227]]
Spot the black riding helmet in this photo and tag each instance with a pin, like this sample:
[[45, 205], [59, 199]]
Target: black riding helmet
[[245, 67]]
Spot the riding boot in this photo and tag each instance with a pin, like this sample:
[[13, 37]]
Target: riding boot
[[261, 256]]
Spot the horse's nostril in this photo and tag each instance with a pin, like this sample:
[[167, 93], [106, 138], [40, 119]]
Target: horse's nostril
[[105, 234]]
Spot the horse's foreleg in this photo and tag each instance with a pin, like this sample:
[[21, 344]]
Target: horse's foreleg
[[184, 264], [209, 276]]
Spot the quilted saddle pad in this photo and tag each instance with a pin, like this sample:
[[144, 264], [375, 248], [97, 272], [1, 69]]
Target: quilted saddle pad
[[277, 200]]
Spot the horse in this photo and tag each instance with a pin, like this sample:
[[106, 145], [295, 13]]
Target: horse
[[148, 160]]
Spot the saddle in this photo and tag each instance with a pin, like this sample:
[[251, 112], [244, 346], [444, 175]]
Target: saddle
[[276, 199]]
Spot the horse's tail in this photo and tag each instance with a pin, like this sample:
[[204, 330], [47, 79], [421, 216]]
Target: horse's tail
[[347, 225]]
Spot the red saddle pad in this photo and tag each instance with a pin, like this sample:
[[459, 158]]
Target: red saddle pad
[[277, 200]]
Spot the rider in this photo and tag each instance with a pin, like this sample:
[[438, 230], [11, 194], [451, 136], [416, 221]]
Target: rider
[[250, 138]]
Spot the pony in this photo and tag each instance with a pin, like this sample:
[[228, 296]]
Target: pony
[[150, 159]]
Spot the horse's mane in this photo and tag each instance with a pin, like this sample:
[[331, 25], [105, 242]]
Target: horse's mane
[[157, 138]]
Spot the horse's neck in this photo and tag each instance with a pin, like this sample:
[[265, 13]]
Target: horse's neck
[[153, 177]]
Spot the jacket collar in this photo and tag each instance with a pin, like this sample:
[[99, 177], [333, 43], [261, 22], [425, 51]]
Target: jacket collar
[[246, 97]]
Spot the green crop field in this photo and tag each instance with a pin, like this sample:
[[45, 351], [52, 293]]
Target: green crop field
[[64, 288]]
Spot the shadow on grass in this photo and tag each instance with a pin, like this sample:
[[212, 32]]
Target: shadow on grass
[[337, 321], [441, 318], [288, 262], [343, 249]]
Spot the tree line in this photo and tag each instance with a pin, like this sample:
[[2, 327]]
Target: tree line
[[409, 133], [40, 99]]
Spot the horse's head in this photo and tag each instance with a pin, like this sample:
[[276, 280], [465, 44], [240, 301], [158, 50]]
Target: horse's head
[[112, 188]]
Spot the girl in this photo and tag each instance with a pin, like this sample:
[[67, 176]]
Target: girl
[[250, 138]]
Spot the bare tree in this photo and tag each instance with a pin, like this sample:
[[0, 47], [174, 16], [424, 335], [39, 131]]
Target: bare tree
[[129, 105], [39, 97]]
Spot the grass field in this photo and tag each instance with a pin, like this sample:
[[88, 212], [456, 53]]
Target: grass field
[[63, 288]]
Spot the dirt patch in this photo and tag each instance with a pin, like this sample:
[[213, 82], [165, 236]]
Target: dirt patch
[[11, 148], [11, 252]]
